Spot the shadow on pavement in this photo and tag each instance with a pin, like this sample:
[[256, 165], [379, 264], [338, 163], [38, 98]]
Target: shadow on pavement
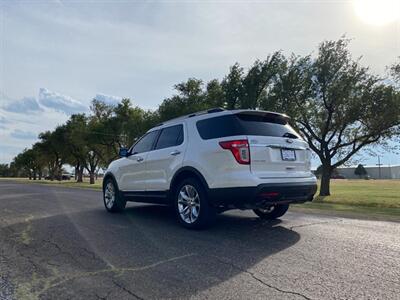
[[141, 252]]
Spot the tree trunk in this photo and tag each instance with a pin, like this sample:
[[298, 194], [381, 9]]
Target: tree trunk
[[325, 181], [80, 174], [40, 174], [34, 175], [60, 173], [91, 177], [76, 172]]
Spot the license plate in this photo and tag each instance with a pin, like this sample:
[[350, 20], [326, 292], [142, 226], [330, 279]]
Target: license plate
[[288, 154]]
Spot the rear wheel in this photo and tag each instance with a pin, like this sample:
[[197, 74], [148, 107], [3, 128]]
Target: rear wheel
[[191, 205], [272, 212], [113, 201]]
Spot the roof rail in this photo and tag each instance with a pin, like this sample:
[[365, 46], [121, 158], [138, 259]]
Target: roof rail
[[213, 110], [209, 111]]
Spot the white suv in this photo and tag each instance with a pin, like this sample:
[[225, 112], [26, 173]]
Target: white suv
[[208, 162]]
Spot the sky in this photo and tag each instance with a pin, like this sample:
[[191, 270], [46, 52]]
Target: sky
[[56, 56]]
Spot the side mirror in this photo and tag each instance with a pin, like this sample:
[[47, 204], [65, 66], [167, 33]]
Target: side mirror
[[123, 152]]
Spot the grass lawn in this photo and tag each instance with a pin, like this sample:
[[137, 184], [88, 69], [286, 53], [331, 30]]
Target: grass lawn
[[378, 199], [65, 183], [360, 197]]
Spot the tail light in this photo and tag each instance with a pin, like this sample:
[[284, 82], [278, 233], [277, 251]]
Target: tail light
[[240, 150]]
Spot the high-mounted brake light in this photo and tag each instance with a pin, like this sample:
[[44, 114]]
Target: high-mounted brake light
[[240, 150]]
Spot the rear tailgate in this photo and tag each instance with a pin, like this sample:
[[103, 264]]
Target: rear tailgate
[[279, 157], [276, 150]]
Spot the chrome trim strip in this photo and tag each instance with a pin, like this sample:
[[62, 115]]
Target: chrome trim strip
[[279, 146]]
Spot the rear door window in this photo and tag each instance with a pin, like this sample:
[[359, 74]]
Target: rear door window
[[170, 137], [245, 124]]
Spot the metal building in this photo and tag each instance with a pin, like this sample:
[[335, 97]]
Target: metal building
[[374, 172]]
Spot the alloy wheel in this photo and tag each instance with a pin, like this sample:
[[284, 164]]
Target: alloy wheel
[[109, 195], [188, 204]]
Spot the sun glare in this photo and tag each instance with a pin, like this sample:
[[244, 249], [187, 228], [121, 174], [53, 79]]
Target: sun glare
[[377, 12]]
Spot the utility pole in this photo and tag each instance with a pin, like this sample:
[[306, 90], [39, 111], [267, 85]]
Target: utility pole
[[379, 165]]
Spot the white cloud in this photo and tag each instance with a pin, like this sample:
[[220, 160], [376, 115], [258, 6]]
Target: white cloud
[[23, 135], [25, 105], [60, 103], [109, 99], [19, 131], [20, 127], [22, 120], [3, 120]]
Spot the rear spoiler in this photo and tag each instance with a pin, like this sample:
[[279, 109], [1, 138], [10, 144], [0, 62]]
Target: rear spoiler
[[263, 113]]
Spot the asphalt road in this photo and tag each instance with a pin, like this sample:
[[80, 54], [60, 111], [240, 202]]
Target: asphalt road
[[59, 243]]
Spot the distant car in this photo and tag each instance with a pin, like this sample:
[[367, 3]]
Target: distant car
[[209, 162], [66, 177], [63, 177], [338, 176]]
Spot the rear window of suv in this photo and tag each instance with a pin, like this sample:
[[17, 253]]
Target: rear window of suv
[[244, 124]]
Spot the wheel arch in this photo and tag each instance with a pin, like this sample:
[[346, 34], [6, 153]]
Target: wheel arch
[[186, 172], [107, 176]]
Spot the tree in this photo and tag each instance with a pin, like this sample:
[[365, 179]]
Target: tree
[[75, 136], [120, 127], [190, 98], [232, 86], [337, 105], [8, 170], [53, 146], [26, 161], [215, 96], [360, 171], [94, 152], [39, 161], [4, 170], [259, 77], [394, 71]]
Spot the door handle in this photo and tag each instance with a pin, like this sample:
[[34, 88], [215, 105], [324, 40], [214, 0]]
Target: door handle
[[139, 159], [175, 152]]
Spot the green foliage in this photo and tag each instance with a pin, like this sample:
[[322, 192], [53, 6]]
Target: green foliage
[[360, 171], [52, 146], [232, 86], [28, 162], [191, 97], [4, 170], [8, 170], [258, 78], [338, 105]]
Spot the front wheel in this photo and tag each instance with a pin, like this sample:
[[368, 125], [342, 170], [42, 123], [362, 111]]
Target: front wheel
[[272, 212], [113, 201], [191, 205]]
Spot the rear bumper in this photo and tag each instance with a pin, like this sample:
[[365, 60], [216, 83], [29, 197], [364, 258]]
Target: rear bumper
[[263, 194]]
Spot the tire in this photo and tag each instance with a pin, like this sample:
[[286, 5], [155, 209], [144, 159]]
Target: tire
[[273, 212], [191, 205], [113, 201]]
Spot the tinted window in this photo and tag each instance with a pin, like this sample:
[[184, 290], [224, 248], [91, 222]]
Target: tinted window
[[245, 124], [170, 136], [145, 143], [218, 127]]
